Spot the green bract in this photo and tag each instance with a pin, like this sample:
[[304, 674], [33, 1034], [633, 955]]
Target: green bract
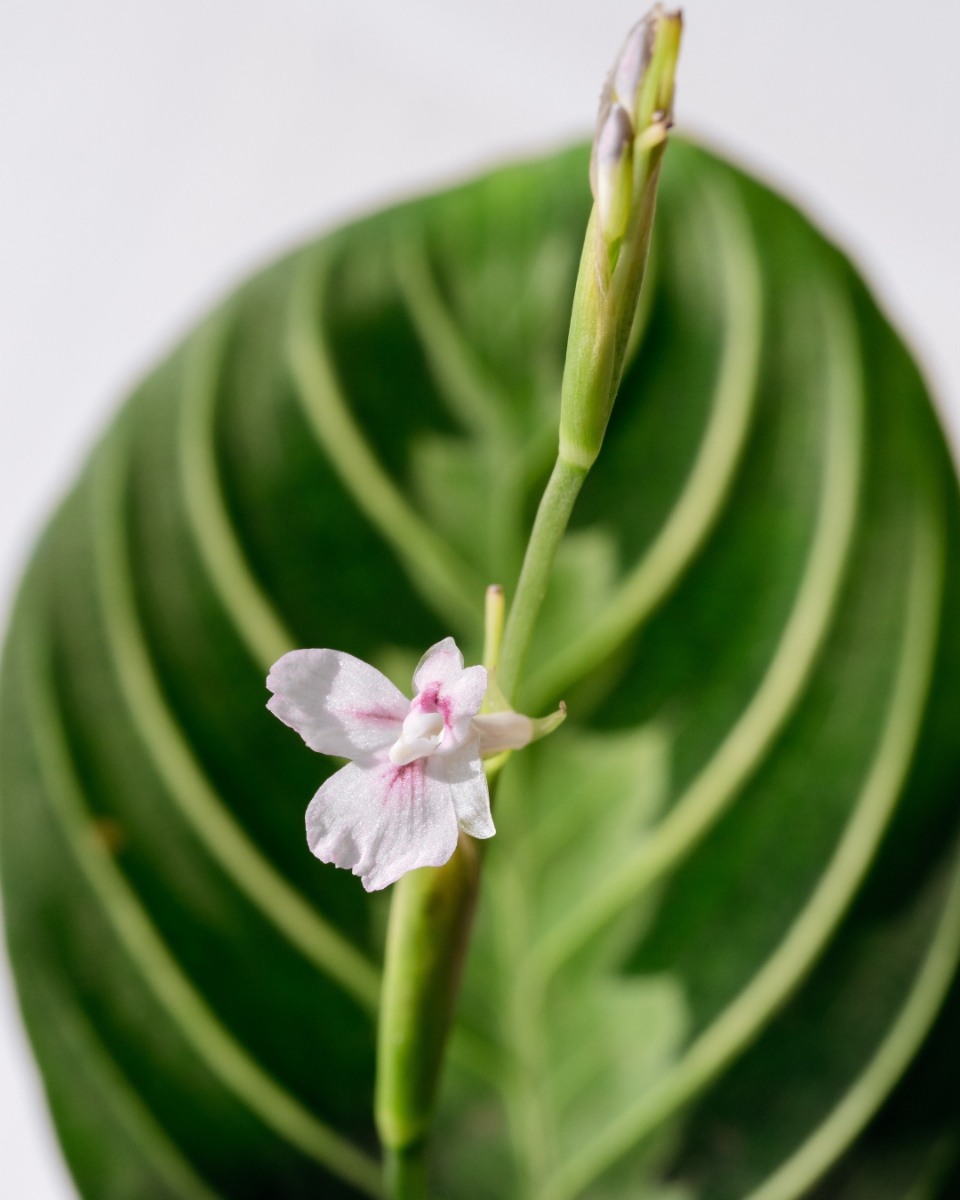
[[720, 898]]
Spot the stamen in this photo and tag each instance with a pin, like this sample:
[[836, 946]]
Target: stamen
[[421, 735], [420, 724]]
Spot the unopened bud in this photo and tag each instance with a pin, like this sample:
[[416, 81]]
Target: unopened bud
[[634, 59], [636, 112], [613, 173]]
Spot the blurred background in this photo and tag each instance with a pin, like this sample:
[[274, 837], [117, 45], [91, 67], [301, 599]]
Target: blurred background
[[154, 153]]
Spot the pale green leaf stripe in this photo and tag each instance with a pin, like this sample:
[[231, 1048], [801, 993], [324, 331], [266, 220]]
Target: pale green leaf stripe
[[474, 398], [707, 486], [743, 1019], [161, 972], [78, 1037], [449, 585], [897, 1050], [186, 783], [259, 625], [474, 401], [742, 750]]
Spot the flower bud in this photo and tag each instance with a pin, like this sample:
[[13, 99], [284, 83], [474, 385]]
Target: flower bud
[[634, 59], [636, 111], [613, 173]]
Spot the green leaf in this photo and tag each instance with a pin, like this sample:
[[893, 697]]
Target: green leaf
[[720, 916]]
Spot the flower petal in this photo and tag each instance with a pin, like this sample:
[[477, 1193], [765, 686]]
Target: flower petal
[[460, 775], [442, 683], [442, 663], [503, 731], [509, 730], [380, 821], [337, 703]]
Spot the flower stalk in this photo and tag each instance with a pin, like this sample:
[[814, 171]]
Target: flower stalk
[[430, 917], [431, 912], [432, 908], [416, 791], [636, 112]]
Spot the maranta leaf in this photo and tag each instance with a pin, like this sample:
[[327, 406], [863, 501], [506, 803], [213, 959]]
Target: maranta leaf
[[718, 920]]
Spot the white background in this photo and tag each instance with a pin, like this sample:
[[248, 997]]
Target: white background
[[154, 151]]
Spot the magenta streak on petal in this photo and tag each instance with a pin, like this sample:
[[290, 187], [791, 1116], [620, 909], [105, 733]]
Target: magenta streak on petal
[[359, 714], [401, 782], [430, 700], [443, 706]]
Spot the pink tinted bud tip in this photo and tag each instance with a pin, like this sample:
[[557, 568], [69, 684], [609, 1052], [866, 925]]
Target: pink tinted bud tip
[[634, 60]]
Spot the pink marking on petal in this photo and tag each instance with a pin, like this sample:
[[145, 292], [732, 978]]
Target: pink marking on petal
[[430, 700], [443, 707], [360, 714], [401, 783]]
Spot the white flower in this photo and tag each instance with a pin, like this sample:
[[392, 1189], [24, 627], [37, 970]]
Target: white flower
[[416, 775]]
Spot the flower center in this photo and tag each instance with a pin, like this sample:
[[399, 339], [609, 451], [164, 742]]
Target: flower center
[[422, 733]]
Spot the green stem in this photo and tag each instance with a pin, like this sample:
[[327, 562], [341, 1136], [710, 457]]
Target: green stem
[[549, 527], [430, 917], [405, 1173], [432, 908]]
